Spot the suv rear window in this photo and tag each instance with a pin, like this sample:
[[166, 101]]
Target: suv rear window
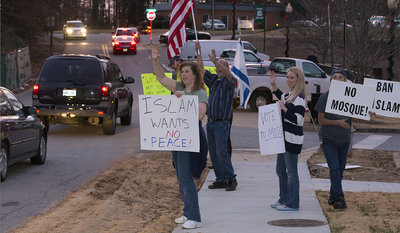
[[124, 33], [71, 70]]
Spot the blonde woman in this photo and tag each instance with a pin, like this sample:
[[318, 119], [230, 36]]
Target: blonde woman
[[293, 106]]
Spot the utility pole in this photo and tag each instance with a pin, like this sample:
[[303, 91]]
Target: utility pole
[[213, 15], [265, 21], [233, 19], [330, 31]]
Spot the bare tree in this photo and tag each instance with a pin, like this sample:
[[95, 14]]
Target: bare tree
[[366, 46]]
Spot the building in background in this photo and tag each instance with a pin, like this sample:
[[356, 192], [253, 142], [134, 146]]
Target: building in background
[[224, 12]]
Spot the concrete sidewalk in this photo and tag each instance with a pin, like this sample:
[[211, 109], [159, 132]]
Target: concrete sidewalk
[[247, 209]]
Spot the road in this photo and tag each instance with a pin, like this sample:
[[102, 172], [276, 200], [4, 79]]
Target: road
[[77, 154]]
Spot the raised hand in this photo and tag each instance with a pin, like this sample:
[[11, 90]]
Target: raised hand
[[272, 76], [155, 52], [197, 46], [213, 56]]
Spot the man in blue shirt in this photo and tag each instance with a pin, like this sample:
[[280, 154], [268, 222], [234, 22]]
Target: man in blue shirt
[[219, 112]]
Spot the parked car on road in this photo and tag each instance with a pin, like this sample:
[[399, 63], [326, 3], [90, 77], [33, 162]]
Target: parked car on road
[[190, 35], [378, 21], [218, 25], [260, 88], [188, 51], [83, 90], [74, 29], [22, 134], [251, 59], [304, 23]]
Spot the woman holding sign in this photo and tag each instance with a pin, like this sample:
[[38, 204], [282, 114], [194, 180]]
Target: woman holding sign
[[191, 83], [293, 106], [335, 134]]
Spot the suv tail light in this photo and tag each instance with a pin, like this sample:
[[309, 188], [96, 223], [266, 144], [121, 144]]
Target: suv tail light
[[105, 93], [133, 43], [35, 91]]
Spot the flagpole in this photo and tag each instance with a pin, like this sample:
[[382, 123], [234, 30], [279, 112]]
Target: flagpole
[[194, 22]]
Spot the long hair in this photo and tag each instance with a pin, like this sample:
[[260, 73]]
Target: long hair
[[199, 80], [299, 89]]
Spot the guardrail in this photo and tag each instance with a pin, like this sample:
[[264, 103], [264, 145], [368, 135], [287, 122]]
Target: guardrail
[[15, 68]]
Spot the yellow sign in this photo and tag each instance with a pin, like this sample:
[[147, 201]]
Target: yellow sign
[[211, 69], [151, 86]]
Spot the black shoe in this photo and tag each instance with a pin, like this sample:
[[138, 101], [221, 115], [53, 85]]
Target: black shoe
[[331, 201], [231, 185], [218, 184], [340, 204]]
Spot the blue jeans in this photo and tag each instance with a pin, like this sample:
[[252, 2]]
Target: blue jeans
[[286, 168], [336, 157], [191, 208], [217, 136]]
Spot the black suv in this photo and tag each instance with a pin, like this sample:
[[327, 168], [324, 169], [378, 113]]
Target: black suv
[[82, 90]]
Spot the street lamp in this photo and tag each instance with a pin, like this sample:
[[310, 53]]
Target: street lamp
[[392, 5], [288, 10]]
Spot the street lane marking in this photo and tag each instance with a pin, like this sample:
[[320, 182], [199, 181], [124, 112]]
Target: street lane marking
[[105, 50], [371, 142]]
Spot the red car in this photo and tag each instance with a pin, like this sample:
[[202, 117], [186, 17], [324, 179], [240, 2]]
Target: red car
[[132, 31], [124, 44]]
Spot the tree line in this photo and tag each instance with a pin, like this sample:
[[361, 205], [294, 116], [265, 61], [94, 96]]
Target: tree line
[[24, 22]]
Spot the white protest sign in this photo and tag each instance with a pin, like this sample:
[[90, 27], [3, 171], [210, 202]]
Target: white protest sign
[[387, 97], [270, 131], [169, 123], [349, 99]]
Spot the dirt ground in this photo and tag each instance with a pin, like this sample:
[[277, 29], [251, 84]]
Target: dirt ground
[[136, 194], [366, 211]]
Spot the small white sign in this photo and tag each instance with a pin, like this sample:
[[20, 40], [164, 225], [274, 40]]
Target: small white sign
[[387, 97], [169, 123], [349, 99], [69, 92], [270, 131]]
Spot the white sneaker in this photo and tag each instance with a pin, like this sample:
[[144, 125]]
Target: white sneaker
[[276, 204], [190, 224], [181, 220]]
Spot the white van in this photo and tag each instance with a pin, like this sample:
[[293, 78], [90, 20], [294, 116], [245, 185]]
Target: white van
[[188, 51]]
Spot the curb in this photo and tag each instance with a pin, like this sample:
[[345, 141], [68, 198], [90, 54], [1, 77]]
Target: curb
[[360, 130]]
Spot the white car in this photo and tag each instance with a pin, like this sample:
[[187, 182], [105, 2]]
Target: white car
[[251, 59], [316, 80], [378, 21], [188, 51], [218, 25], [74, 29]]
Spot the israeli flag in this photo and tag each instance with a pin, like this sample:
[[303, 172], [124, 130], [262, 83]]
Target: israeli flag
[[239, 71]]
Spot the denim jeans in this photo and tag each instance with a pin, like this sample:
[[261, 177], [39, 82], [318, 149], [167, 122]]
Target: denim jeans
[[336, 157], [286, 168], [217, 136], [191, 208]]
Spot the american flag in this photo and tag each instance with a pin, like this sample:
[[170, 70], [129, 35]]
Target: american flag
[[177, 25]]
